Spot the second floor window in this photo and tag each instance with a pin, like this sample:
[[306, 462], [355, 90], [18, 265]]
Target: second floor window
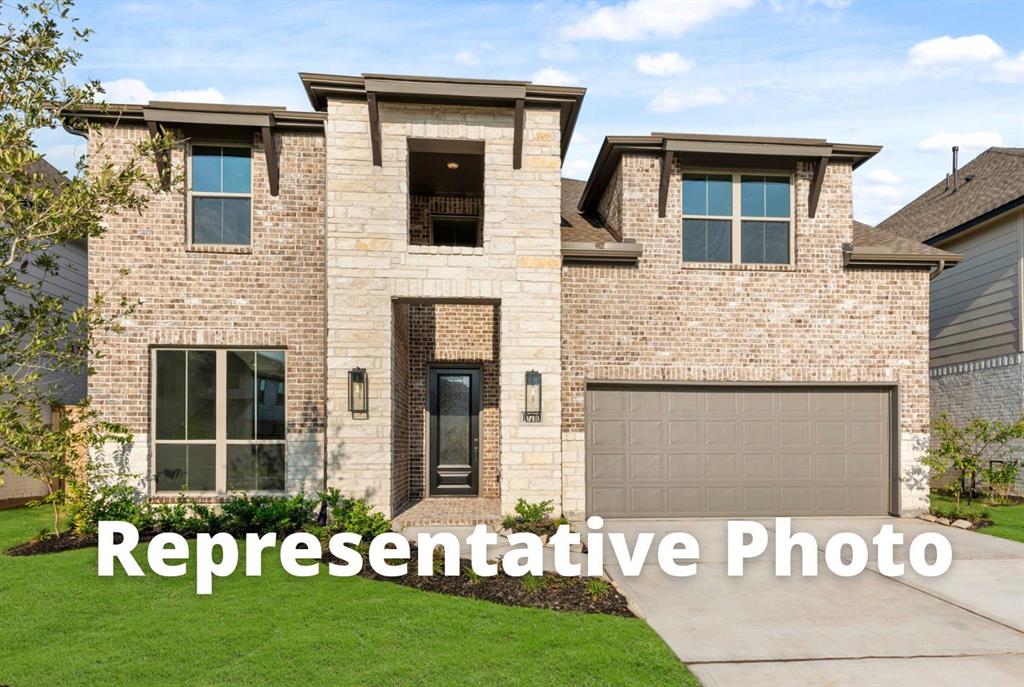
[[737, 218], [220, 195]]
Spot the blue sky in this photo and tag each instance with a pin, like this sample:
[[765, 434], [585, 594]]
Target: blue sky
[[915, 77]]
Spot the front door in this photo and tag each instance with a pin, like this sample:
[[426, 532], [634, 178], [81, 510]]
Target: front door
[[454, 403]]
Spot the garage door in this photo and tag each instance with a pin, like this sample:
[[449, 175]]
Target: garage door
[[737, 451]]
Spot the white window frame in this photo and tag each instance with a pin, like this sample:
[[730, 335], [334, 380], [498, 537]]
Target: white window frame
[[220, 440], [737, 218], [211, 194]]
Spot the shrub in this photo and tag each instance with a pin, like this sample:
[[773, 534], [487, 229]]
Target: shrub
[[597, 588], [187, 517], [263, 514], [962, 511], [533, 517], [1001, 480], [534, 583], [354, 515], [88, 505], [963, 449]]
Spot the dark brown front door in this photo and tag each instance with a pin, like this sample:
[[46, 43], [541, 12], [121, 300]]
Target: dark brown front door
[[454, 404]]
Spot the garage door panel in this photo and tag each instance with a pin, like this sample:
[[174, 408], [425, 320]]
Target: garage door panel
[[645, 433], [647, 500], [758, 466], [609, 466], [608, 433], [646, 467], [685, 467], [737, 451]]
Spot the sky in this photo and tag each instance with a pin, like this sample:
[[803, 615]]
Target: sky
[[914, 77]]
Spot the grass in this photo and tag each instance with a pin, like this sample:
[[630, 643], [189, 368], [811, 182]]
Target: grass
[[62, 624], [1008, 520]]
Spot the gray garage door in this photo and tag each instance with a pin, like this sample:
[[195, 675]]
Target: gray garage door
[[737, 451]]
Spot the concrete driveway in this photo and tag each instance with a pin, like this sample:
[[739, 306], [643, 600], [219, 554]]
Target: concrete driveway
[[965, 627]]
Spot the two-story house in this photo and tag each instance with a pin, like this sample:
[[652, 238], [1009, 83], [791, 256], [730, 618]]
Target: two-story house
[[976, 335], [399, 296]]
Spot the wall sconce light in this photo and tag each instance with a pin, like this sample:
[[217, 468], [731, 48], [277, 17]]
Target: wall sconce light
[[533, 397], [358, 392]]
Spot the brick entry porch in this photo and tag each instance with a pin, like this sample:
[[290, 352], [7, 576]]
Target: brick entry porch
[[425, 335]]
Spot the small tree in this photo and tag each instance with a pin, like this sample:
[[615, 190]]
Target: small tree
[[44, 339], [966, 449]]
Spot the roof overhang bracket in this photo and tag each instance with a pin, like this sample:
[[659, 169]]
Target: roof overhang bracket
[[517, 134], [270, 152], [163, 157], [375, 140], [816, 183], [666, 172]]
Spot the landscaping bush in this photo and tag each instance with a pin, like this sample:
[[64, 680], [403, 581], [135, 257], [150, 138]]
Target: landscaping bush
[[186, 517], [1001, 480], [354, 515], [960, 511], [87, 506], [263, 514], [533, 517]]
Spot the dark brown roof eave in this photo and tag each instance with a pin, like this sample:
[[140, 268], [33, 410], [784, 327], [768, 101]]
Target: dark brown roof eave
[[195, 113], [585, 251], [869, 257], [474, 92]]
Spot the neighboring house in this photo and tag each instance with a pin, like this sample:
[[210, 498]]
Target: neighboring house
[[71, 283], [698, 329], [976, 367]]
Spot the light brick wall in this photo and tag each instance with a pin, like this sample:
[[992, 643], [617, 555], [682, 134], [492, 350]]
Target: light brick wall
[[271, 295], [992, 389], [370, 263], [815, 322]]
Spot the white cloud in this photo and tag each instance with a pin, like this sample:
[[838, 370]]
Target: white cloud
[[674, 101], [884, 176], [639, 19], [135, 91], [947, 50], [549, 76], [780, 6], [977, 140], [467, 58], [1010, 68], [881, 191], [662, 64], [577, 168]]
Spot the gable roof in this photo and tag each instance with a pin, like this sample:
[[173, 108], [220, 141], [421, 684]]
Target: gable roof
[[989, 185]]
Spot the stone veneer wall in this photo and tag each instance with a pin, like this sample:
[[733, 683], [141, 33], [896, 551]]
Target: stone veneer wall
[[815, 322], [421, 208], [992, 389], [268, 295], [370, 263]]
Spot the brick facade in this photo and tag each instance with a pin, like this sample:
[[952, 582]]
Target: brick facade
[[815, 322], [422, 208], [269, 295]]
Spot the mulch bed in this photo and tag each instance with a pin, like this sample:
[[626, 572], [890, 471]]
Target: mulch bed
[[556, 593], [551, 591]]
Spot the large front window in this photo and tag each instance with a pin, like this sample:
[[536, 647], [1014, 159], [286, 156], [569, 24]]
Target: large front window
[[219, 420], [220, 195], [737, 218]]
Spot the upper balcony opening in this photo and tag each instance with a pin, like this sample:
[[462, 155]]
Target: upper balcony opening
[[446, 192]]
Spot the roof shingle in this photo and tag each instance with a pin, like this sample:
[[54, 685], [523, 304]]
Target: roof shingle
[[988, 182]]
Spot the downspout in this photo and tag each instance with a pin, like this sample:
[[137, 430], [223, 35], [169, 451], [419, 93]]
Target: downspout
[[938, 269]]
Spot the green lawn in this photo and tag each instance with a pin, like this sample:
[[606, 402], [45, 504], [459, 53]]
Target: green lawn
[[60, 624], [1008, 520]]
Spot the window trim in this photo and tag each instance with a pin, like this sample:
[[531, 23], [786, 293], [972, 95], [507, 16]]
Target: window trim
[[189, 193], [479, 230], [220, 440], [737, 217]]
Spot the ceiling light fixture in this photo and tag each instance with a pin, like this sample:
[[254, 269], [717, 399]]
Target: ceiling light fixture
[[452, 165]]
